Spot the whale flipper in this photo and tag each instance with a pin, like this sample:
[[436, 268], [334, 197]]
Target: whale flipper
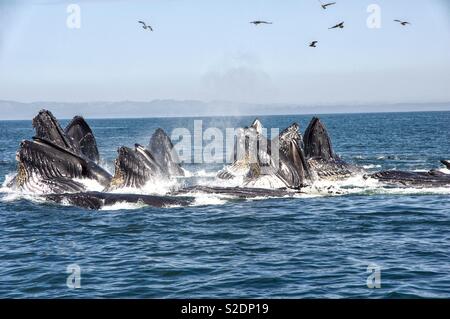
[[81, 135], [446, 163], [163, 151]]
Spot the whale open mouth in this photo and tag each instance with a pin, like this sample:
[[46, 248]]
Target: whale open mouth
[[43, 167], [53, 158], [134, 168]]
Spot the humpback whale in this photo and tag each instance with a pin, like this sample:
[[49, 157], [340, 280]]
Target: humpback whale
[[254, 161], [323, 162], [301, 161], [263, 167], [294, 169], [163, 150], [53, 158], [136, 167]]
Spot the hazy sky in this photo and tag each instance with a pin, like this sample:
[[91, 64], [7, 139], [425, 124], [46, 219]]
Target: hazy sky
[[208, 50]]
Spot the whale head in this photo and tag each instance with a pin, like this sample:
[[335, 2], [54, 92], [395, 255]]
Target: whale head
[[317, 142], [134, 168], [161, 147], [52, 160], [82, 137], [48, 128]]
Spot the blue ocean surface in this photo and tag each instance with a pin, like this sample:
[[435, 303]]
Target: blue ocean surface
[[305, 247]]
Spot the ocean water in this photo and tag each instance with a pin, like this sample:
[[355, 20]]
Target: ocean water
[[311, 246]]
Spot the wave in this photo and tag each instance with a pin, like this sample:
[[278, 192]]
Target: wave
[[359, 185], [155, 187], [122, 206], [371, 166]]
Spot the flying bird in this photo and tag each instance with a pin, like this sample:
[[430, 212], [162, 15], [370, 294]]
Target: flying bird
[[324, 6], [258, 22], [339, 25], [313, 44], [145, 26], [403, 23]]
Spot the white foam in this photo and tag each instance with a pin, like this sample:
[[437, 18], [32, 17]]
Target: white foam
[[91, 184], [368, 186], [371, 166], [155, 187], [208, 199], [123, 206], [186, 172], [8, 179], [204, 173]]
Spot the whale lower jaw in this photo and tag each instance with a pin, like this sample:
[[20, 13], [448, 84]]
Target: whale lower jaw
[[333, 170], [266, 182]]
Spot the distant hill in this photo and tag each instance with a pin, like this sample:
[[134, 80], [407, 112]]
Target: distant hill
[[10, 110]]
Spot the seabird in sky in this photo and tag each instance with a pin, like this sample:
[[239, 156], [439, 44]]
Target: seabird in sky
[[145, 26], [339, 25], [258, 22], [324, 6], [403, 23]]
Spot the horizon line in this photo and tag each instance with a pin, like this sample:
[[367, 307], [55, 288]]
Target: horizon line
[[234, 115]]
